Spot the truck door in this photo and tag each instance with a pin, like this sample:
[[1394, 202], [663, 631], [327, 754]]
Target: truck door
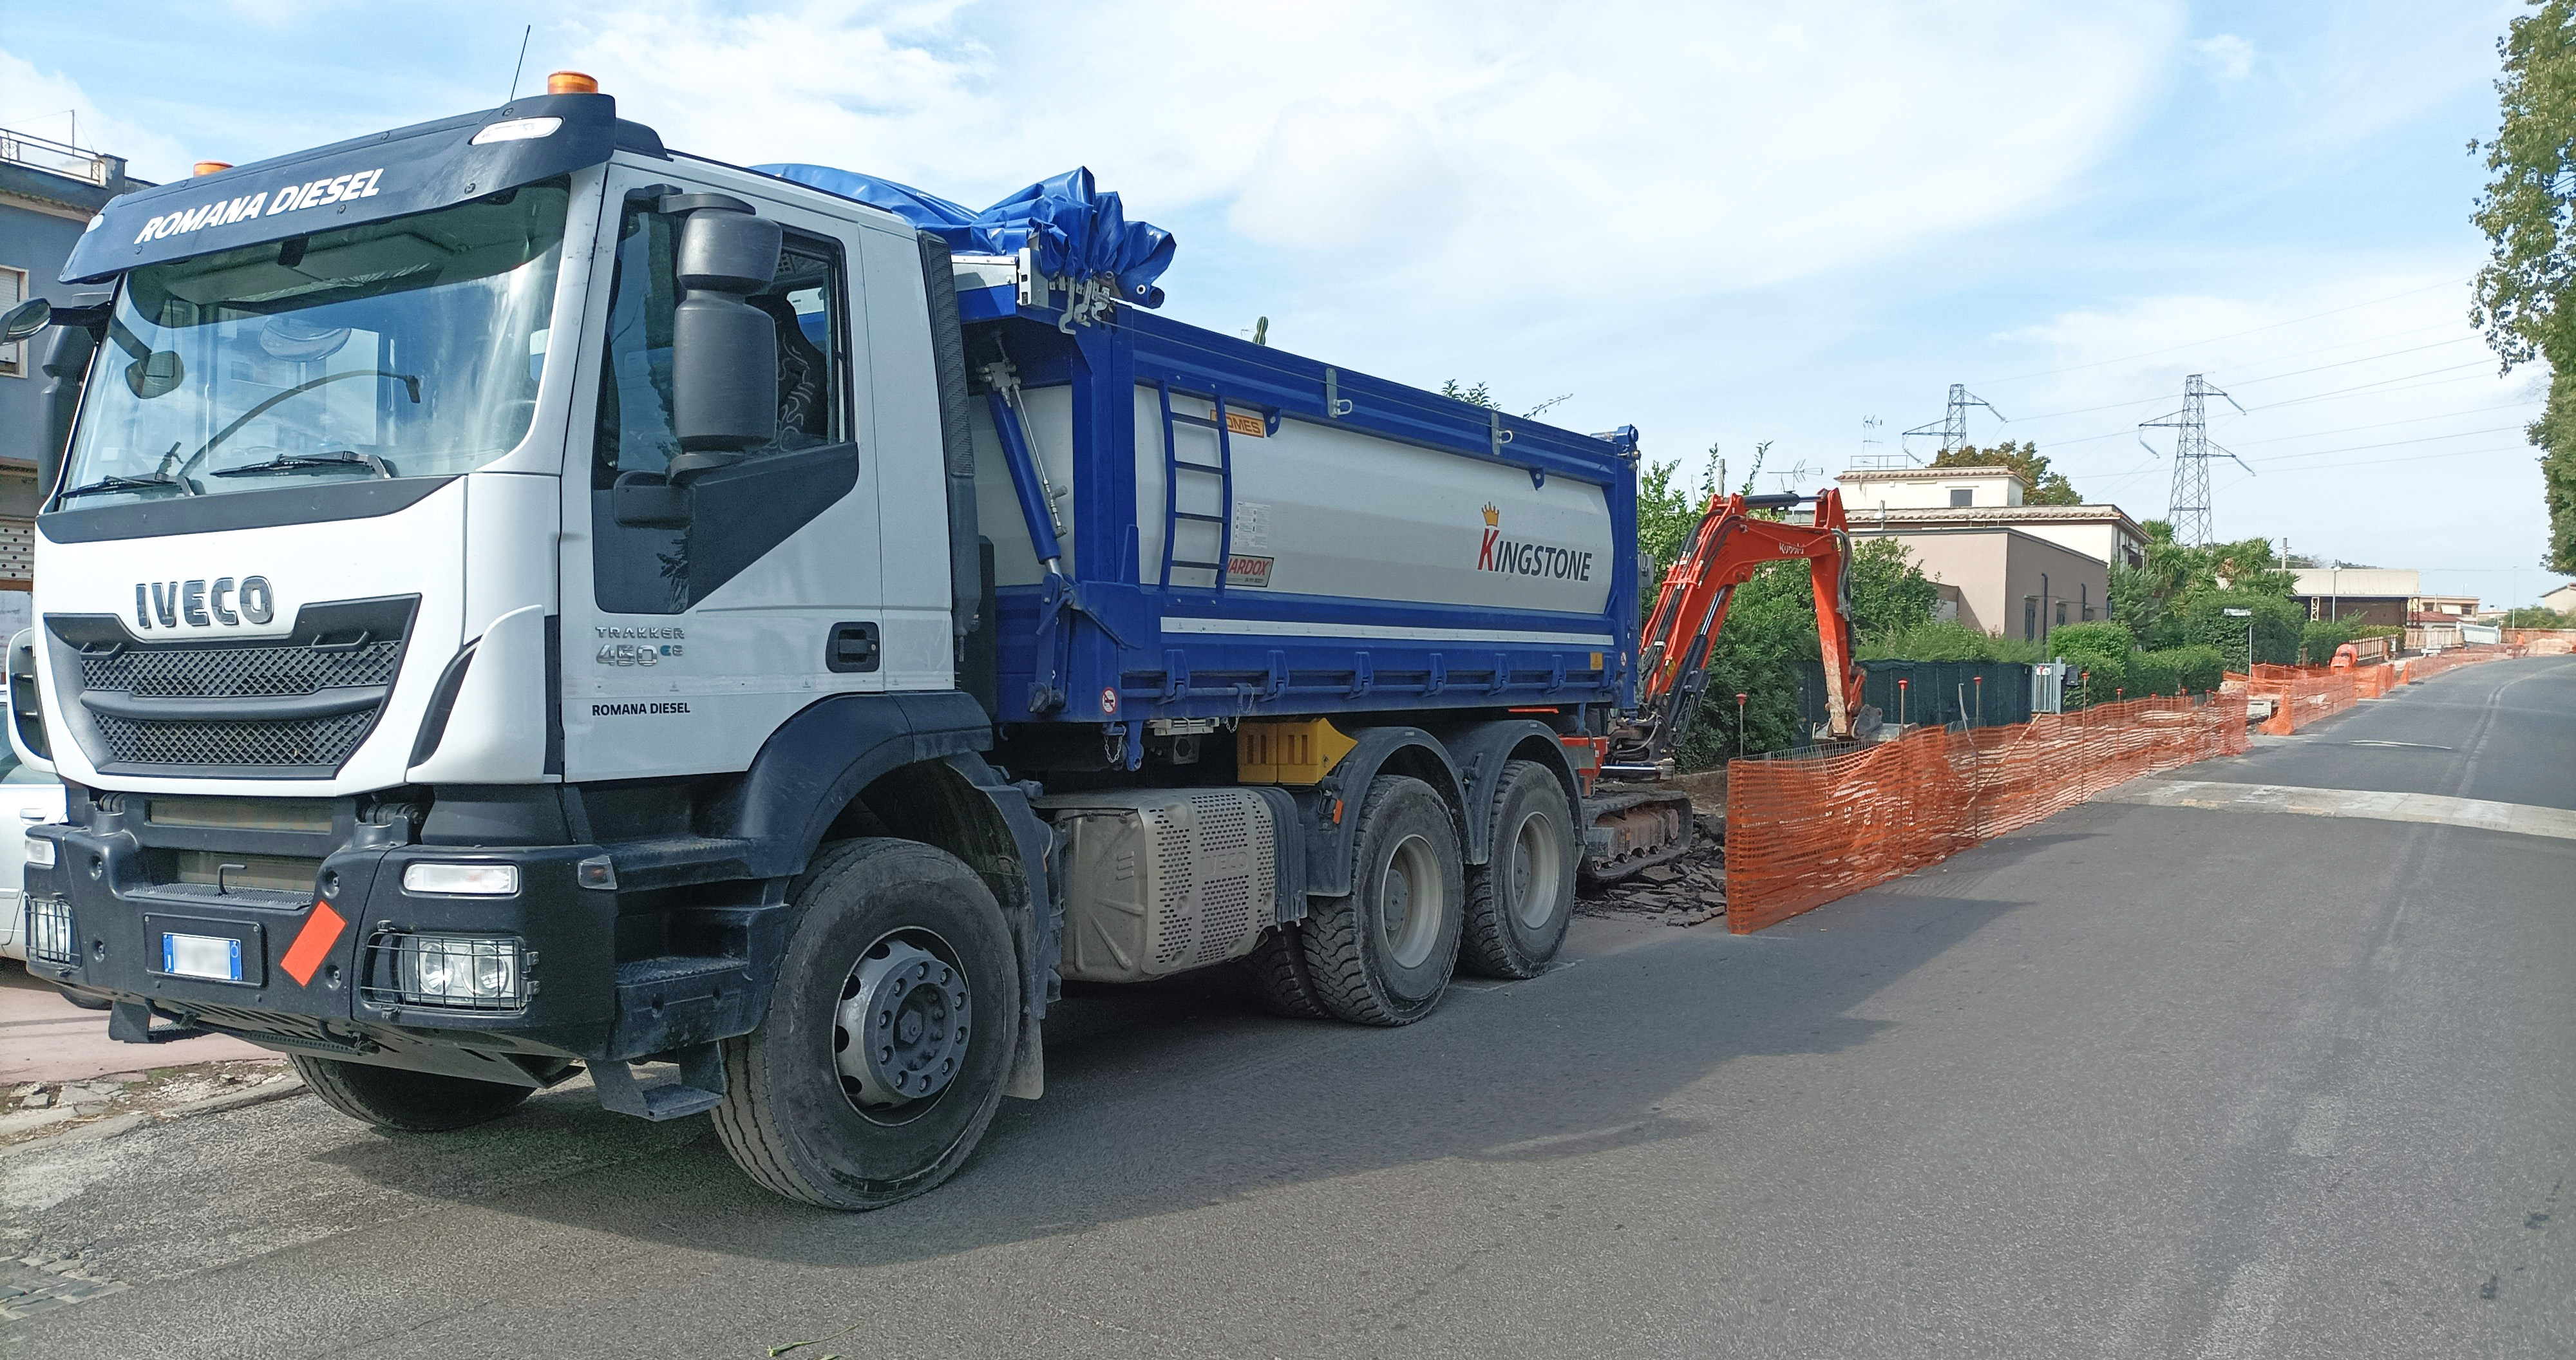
[[687, 640]]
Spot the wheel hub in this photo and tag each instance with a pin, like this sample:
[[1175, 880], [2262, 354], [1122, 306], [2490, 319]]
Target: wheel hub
[[902, 1025]]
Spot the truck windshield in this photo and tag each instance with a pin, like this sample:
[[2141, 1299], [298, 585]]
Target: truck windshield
[[406, 348]]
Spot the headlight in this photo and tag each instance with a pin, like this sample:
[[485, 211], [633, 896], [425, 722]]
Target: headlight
[[461, 880], [464, 972], [49, 931], [40, 852]]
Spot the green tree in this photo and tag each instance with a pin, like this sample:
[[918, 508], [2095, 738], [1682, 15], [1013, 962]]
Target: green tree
[[2529, 216], [1478, 395], [2026, 461]]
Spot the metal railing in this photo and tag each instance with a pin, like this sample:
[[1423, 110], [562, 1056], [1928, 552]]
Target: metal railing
[[59, 158]]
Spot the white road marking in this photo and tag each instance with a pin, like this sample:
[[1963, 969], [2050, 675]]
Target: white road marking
[[2319, 1127], [2245, 1311], [2519, 818]]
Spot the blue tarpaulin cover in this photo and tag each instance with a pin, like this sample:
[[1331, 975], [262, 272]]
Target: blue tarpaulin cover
[[1078, 231]]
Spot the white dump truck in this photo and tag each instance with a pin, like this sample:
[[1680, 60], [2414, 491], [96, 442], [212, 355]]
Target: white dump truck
[[515, 599]]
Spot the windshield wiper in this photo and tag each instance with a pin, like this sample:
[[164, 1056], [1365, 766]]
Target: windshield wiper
[[163, 476], [310, 462]]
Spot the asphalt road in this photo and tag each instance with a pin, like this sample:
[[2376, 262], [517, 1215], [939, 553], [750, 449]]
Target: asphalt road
[[2138, 1081]]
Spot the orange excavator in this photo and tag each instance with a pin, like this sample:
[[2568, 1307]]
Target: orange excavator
[[1634, 827]]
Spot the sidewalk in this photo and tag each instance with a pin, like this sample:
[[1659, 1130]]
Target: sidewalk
[[45, 1038]]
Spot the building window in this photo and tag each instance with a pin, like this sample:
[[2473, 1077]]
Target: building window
[[2061, 613], [2030, 618], [1962, 496], [13, 290]]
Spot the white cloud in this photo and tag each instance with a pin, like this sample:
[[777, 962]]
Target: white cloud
[[2376, 426], [1520, 146], [38, 102], [2225, 56]]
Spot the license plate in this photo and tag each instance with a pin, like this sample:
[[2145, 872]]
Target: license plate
[[201, 956]]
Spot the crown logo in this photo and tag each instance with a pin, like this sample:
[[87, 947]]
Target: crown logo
[[1493, 517]]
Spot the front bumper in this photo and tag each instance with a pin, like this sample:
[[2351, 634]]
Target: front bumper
[[335, 996]]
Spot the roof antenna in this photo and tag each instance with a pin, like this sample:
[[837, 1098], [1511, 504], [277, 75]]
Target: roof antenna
[[523, 62]]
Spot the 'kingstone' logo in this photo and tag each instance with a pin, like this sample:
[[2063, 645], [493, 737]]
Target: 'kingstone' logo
[[203, 604], [266, 203], [1512, 557]]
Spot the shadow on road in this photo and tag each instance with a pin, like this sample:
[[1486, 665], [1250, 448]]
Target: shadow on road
[[1172, 1097]]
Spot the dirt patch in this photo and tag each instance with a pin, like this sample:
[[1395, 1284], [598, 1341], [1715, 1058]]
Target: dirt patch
[[31, 1110]]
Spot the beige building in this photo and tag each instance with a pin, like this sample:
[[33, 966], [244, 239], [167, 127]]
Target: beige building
[[2563, 599], [2005, 567], [1899, 501]]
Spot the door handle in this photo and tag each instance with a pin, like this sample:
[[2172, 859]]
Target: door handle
[[853, 647]]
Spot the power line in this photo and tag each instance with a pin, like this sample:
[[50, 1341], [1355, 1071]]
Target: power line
[[1953, 425], [2248, 382], [2384, 444], [2313, 316]]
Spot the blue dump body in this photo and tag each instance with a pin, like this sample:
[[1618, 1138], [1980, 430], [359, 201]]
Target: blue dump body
[[1407, 603], [1118, 642]]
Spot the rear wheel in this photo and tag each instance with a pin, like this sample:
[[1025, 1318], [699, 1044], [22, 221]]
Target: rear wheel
[[890, 1031], [407, 1102], [1518, 904], [1383, 954]]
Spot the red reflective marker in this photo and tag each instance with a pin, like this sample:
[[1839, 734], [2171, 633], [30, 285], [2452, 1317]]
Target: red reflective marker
[[312, 943]]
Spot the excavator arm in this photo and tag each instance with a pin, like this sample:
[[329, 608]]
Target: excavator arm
[[1633, 827], [1729, 543]]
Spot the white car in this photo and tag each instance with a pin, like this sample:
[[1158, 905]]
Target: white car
[[27, 796]]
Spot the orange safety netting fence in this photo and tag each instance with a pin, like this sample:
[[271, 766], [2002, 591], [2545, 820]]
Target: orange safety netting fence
[[1802, 832]]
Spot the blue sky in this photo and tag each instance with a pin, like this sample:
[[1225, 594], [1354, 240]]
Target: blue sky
[[1722, 222]]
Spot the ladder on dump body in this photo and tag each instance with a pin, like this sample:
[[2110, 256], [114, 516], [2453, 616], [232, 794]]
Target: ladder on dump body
[[1222, 469]]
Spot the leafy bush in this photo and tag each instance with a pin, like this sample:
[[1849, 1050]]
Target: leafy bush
[[2100, 654], [2277, 622], [2153, 673], [1934, 640], [2319, 638], [2200, 669]]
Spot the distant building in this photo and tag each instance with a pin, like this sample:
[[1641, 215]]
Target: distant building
[[2375, 595], [48, 193], [2563, 599], [2010, 568]]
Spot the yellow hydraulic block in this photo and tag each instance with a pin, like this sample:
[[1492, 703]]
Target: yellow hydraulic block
[[1288, 750]]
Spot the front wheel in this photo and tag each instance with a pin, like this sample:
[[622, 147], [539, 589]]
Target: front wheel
[[407, 1102], [890, 1031]]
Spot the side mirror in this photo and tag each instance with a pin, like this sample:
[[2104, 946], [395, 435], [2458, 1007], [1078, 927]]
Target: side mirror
[[26, 319], [26, 713], [724, 351]]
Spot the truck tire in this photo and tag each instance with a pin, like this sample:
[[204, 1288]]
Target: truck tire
[[890, 1031], [1383, 954], [1520, 899], [1278, 968], [407, 1102]]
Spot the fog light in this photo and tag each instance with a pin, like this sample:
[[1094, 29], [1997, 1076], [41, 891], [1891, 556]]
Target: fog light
[[461, 880], [49, 931], [465, 972], [40, 852]]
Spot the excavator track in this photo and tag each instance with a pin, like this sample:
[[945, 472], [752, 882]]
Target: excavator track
[[1631, 830]]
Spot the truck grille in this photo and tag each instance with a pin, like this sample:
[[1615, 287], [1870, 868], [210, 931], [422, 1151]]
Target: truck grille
[[352, 647], [290, 741], [241, 672]]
